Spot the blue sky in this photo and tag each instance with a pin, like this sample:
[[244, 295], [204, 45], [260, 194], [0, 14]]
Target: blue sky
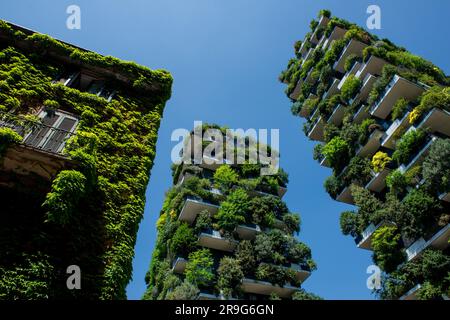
[[225, 56]]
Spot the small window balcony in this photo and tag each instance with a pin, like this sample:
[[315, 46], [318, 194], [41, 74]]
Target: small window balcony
[[366, 87], [332, 90], [316, 132], [353, 47], [179, 265], [419, 157], [393, 132], [214, 240], [374, 66], [398, 88], [248, 231], [336, 34], [192, 207], [362, 114], [440, 240], [378, 181], [445, 196], [352, 71], [267, 288], [337, 115]]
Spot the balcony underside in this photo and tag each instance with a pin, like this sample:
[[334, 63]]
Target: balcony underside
[[363, 94], [247, 232], [437, 120], [336, 34], [378, 182], [338, 115], [346, 196], [372, 145], [354, 47], [24, 160], [373, 66], [411, 294], [217, 242], [440, 240], [317, 131], [192, 208], [401, 88], [266, 288], [394, 131], [445, 197], [179, 265]]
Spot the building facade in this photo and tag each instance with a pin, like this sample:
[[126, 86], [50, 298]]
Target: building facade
[[77, 141], [225, 233], [381, 116]]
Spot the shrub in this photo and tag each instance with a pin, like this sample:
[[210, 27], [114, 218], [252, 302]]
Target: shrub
[[408, 144], [337, 153], [266, 209], [199, 268], [317, 153], [380, 160], [436, 166], [367, 203], [67, 190], [183, 240], [303, 295], [333, 186], [350, 223], [225, 178], [399, 108], [245, 256], [429, 291], [350, 87], [350, 61], [203, 221], [386, 246], [230, 276], [8, 137], [324, 12], [185, 291], [270, 247], [358, 171], [297, 252], [233, 210], [292, 222], [396, 182]]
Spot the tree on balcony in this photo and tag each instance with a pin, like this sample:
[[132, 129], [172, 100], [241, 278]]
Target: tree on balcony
[[199, 268], [387, 253]]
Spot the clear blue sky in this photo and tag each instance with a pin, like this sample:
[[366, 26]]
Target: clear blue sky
[[225, 56]]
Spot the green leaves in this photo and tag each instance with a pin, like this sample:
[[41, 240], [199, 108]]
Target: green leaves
[[350, 87], [337, 153], [387, 253], [409, 143], [8, 137], [233, 210], [199, 268]]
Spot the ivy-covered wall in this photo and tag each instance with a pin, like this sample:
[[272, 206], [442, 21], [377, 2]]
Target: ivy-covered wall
[[89, 214], [243, 197], [409, 203]]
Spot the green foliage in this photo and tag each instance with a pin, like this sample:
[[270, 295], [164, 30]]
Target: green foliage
[[350, 223], [233, 210], [350, 87], [265, 210], [380, 85], [67, 190], [303, 295], [199, 268], [183, 240], [292, 222], [245, 256], [399, 109], [8, 137], [225, 178], [333, 186], [386, 246], [324, 12], [436, 166], [396, 182], [337, 153], [230, 276], [350, 61], [409, 143], [380, 160], [185, 291]]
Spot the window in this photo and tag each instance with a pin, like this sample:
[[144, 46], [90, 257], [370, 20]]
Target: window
[[51, 136]]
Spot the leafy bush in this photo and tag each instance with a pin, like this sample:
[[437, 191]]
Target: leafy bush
[[230, 276], [203, 222], [183, 240], [380, 160], [358, 171], [67, 190], [350, 87], [266, 209], [399, 108], [225, 178], [380, 85], [292, 222], [337, 153], [333, 186], [199, 268], [408, 144], [185, 291], [436, 166], [386, 246], [8, 137], [303, 295], [350, 223], [245, 256], [233, 210], [350, 61], [396, 182]]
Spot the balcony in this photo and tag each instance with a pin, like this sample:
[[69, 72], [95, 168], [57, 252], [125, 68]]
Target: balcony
[[346, 196], [266, 288], [372, 145], [41, 150], [212, 163], [248, 231], [394, 131], [445, 196], [211, 296], [365, 241], [373, 66], [213, 239], [366, 87], [398, 88], [296, 92], [352, 71], [338, 115], [332, 90], [362, 114], [323, 21], [411, 294], [336, 34], [192, 207], [301, 273], [305, 112], [179, 265], [317, 130], [436, 120], [419, 157], [378, 182], [353, 47], [439, 240]]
